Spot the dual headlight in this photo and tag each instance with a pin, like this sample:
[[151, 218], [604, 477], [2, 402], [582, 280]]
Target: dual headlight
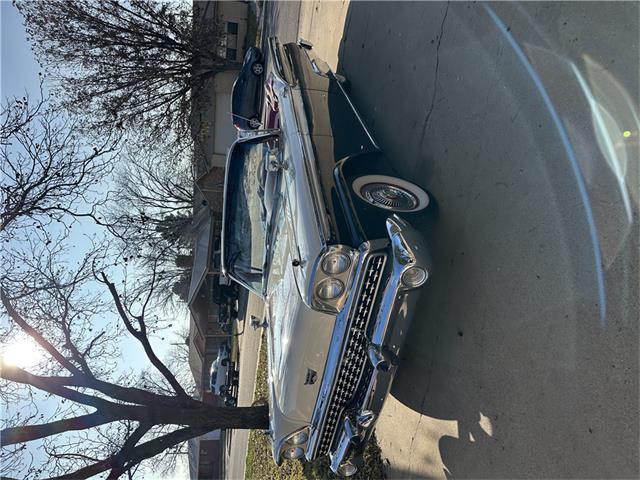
[[293, 445], [333, 274]]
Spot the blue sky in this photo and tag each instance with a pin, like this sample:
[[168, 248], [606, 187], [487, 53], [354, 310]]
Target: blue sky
[[19, 73], [19, 70]]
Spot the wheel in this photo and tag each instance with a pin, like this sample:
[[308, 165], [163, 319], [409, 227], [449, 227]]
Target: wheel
[[230, 402], [225, 362], [257, 68], [390, 193], [255, 123]]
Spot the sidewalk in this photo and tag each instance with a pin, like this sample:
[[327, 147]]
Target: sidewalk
[[249, 347]]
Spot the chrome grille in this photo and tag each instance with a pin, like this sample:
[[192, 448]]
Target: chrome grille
[[354, 357]]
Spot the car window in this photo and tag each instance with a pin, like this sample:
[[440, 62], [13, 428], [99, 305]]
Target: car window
[[246, 222]]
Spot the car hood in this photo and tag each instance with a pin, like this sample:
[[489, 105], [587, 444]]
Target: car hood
[[299, 337]]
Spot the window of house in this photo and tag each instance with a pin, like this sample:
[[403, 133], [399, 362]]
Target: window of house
[[232, 28]]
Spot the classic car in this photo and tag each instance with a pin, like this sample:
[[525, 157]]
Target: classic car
[[246, 94], [317, 222]]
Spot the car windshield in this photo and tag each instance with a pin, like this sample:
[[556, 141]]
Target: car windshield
[[245, 227]]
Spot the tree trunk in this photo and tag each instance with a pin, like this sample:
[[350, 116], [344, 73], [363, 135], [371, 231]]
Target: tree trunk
[[205, 416]]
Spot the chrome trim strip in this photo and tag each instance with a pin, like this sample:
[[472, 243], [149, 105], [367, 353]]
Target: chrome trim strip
[[278, 72]]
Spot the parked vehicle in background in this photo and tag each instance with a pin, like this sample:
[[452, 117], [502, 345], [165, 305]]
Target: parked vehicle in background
[[224, 376], [246, 96], [316, 222]]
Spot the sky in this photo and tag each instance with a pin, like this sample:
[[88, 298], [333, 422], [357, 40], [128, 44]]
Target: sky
[[19, 73], [19, 70]]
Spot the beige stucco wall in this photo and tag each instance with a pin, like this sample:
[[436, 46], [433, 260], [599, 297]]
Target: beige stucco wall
[[223, 81], [234, 12]]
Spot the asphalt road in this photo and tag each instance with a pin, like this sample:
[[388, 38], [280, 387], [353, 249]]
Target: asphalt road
[[523, 361], [249, 348]]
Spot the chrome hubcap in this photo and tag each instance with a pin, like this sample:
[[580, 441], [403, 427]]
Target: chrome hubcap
[[257, 69], [389, 196]]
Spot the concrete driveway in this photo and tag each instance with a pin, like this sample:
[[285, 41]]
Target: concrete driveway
[[524, 360]]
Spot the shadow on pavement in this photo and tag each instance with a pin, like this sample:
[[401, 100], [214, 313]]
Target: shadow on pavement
[[511, 341]]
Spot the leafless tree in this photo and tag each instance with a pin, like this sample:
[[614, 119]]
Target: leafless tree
[[136, 63], [152, 217], [105, 423], [155, 185], [49, 172]]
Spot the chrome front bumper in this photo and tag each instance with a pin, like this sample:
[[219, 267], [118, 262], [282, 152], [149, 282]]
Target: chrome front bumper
[[385, 332]]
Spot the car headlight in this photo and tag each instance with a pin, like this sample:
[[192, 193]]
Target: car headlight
[[298, 438], [293, 446], [329, 289], [414, 276], [332, 277], [335, 263], [291, 452]]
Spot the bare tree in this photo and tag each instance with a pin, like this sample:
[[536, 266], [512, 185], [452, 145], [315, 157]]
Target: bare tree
[[155, 186], [152, 217], [49, 173], [104, 422], [133, 63]]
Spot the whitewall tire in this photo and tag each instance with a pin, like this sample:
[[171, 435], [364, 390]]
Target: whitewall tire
[[390, 193]]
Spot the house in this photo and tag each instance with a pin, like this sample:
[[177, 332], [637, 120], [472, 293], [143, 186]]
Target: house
[[211, 120], [205, 336], [213, 133], [205, 333], [205, 452]]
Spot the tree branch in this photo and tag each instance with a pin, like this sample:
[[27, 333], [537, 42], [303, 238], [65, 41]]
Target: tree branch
[[141, 452], [50, 385], [33, 333], [27, 433], [143, 339], [128, 446]]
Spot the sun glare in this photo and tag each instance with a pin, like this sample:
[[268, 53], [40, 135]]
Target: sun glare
[[23, 353]]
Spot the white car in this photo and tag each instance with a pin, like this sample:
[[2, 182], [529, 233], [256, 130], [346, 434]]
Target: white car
[[224, 376]]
